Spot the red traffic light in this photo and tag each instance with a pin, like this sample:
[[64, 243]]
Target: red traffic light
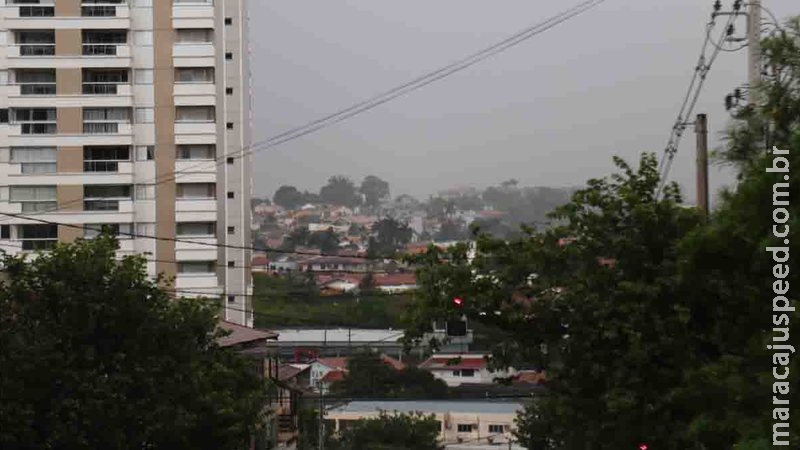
[[458, 301]]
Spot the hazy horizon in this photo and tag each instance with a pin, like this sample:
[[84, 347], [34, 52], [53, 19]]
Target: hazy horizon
[[551, 111]]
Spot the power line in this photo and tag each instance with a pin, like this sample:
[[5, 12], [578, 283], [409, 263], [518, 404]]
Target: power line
[[375, 101], [702, 68], [186, 241]]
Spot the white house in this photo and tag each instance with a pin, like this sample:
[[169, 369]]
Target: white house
[[457, 369]]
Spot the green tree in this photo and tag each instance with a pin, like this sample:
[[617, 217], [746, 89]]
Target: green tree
[[298, 237], [94, 355], [391, 432], [327, 241], [288, 197], [340, 190], [369, 376], [389, 235], [374, 191]]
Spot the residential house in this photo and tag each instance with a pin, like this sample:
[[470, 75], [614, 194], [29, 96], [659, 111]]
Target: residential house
[[456, 369], [334, 264], [326, 371]]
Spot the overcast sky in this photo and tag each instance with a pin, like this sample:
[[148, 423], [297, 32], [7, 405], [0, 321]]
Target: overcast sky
[[551, 111]]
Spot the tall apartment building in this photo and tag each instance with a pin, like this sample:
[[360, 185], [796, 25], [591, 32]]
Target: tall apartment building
[[131, 114]]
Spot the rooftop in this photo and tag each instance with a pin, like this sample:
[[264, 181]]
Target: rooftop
[[354, 335], [241, 334], [431, 406]]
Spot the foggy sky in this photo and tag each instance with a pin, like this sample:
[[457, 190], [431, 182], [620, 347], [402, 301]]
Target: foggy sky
[[551, 111]]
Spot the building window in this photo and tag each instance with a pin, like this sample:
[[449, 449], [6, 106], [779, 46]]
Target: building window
[[34, 198], [5, 231], [36, 120], [103, 81], [38, 237], [196, 151], [467, 372], [231, 194], [4, 115], [229, 160], [194, 75], [228, 56], [36, 81], [196, 228], [229, 91], [194, 36], [231, 230], [104, 120], [497, 429], [228, 21], [104, 158], [123, 230], [229, 125], [204, 267], [186, 114], [231, 263], [464, 428], [35, 159], [197, 191], [105, 197], [231, 298]]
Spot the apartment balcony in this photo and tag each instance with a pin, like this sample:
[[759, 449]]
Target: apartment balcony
[[201, 282], [199, 249], [193, 55], [196, 171], [43, 95], [102, 167], [106, 205], [195, 94], [37, 17], [46, 134], [42, 56], [195, 132], [199, 14]]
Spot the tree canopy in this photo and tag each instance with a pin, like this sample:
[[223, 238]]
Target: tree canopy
[[389, 235], [340, 190], [368, 376], [374, 191], [390, 432], [94, 355]]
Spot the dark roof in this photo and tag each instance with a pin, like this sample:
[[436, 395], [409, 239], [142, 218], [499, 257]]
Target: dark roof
[[242, 335]]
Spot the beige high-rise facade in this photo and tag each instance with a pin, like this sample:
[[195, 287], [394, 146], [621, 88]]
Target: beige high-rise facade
[[133, 115]]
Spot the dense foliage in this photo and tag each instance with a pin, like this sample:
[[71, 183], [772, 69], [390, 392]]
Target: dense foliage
[[368, 376], [390, 432], [94, 355]]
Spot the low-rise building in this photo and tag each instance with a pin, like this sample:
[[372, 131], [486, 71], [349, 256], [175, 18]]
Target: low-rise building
[[457, 369], [461, 422]]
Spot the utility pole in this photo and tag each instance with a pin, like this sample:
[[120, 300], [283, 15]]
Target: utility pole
[[701, 129], [321, 445], [753, 50]]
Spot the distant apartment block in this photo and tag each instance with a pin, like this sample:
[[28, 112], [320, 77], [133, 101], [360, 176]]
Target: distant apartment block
[[131, 115]]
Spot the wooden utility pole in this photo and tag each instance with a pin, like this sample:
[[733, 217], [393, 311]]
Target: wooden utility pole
[[753, 50], [701, 129]]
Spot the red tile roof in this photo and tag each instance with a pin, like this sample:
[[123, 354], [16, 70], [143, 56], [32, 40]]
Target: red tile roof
[[241, 334], [394, 279], [454, 363], [333, 375], [336, 363]]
